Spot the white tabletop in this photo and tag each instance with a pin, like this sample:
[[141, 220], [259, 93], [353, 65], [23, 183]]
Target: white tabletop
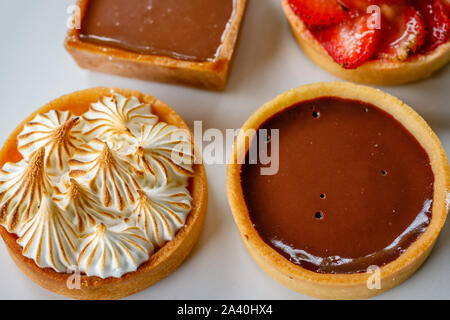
[[35, 68]]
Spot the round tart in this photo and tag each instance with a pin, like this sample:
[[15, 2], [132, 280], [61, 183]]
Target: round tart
[[359, 197], [99, 194], [410, 45]]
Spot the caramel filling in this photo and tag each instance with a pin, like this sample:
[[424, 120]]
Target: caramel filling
[[181, 29], [354, 188]]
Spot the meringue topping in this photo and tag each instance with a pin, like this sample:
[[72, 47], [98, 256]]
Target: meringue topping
[[117, 116], [57, 132], [165, 150], [99, 192], [21, 188], [106, 173], [113, 251], [160, 212], [49, 237], [82, 206]]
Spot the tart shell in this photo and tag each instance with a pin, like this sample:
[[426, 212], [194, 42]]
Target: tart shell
[[340, 286], [162, 262], [210, 75], [374, 72]]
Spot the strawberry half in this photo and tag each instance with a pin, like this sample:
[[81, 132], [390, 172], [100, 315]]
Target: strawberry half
[[437, 22], [319, 12], [402, 34], [351, 43]]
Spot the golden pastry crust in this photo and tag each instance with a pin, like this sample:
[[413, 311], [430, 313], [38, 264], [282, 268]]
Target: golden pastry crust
[[210, 75], [341, 286], [160, 264], [375, 72]]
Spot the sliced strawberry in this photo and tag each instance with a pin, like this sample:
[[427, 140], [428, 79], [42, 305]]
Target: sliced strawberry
[[319, 12], [402, 34], [351, 43], [437, 22]]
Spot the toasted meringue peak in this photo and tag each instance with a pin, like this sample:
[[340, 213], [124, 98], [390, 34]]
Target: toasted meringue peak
[[49, 238], [106, 173], [83, 207], [97, 192], [112, 252], [117, 117], [57, 132], [166, 152], [21, 188], [160, 212]]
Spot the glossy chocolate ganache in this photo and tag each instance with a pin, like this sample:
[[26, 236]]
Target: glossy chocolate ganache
[[182, 29], [354, 187]]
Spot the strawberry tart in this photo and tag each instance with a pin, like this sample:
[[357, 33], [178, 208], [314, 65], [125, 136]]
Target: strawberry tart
[[381, 42]]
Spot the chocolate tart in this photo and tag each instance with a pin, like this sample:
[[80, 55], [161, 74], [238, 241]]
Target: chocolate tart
[[158, 265], [375, 72], [361, 188], [179, 51]]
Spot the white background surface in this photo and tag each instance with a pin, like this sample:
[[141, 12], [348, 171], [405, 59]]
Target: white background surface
[[35, 68]]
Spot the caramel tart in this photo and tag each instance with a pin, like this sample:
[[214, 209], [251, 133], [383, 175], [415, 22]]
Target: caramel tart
[[359, 198], [177, 41]]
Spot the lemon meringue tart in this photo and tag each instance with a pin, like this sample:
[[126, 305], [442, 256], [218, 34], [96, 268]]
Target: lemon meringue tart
[[177, 41], [374, 42], [359, 197], [100, 196]]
